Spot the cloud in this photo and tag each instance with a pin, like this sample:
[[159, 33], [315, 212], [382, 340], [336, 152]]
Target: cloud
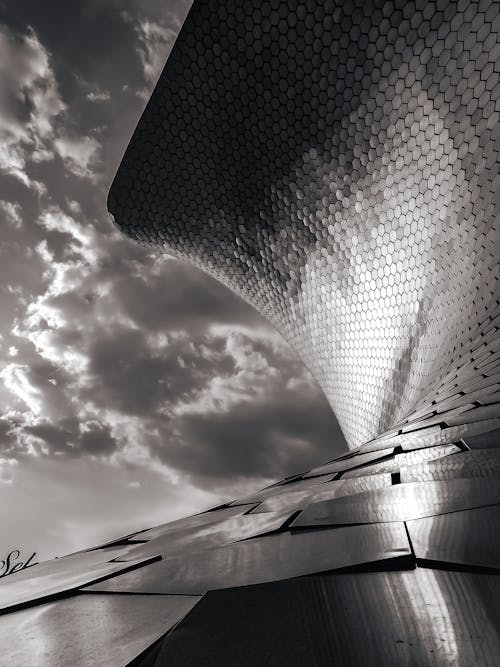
[[49, 418], [263, 419], [218, 412], [155, 40], [96, 438], [98, 96], [184, 297], [44, 393], [29, 103], [9, 445], [131, 376], [158, 360], [79, 154], [72, 438], [198, 385], [82, 240], [7, 468], [12, 212], [33, 114], [49, 438], [16, 379], [269, 437], [252, 373]]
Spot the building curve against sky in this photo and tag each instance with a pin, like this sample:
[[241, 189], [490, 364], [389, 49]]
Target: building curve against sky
[[336, 164]]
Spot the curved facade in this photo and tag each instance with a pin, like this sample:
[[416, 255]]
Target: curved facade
[[336, 164]]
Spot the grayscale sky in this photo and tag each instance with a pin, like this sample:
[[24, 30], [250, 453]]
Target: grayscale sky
[[133, 389]]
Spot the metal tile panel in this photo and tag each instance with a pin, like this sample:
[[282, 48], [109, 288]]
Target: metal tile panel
[[492, 398], [343, 487], [89, 629], [348, 463], [118, 542], [203, 519], [477, 414], [209, 536], [483, 440], [295, 484], [405, 459], [476, 463], [470, 537], [421, 618], [402, 502], [264, 559], [434, 435], [444, 413], [425, 437], [59, 576]]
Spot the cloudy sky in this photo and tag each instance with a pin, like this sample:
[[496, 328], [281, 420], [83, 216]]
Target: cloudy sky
[[133, 388]]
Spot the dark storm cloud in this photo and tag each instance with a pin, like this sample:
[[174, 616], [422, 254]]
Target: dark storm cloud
[[277, 434], [97, 439], [217, 411], [71, 438], [184, 298], [130, 375], [56, 436], [46, 375]]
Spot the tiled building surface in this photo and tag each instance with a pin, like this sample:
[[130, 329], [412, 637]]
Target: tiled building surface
[[336, 164], [387, 557]]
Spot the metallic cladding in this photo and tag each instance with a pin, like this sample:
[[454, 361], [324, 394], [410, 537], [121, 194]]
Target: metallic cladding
[[335, 164]]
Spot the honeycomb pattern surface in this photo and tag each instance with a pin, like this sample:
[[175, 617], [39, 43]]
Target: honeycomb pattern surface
[[336, 164]]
